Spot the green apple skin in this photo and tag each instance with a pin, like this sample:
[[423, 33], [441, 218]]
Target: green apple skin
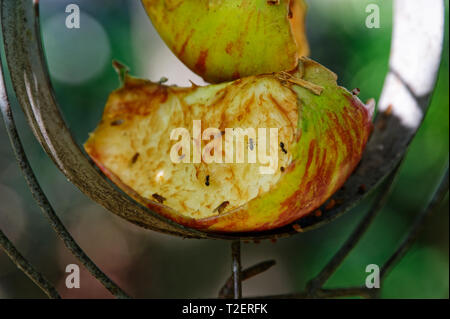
[[223, 40], [331, 134], [333, 130]]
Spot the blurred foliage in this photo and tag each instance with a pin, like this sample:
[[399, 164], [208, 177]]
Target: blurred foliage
[[153, 265]]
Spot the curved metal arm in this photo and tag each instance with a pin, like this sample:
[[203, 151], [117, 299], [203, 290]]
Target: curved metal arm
[[29, 75], [317, 282], [405, 102], [437, 199], [46, 208], [7, 246]]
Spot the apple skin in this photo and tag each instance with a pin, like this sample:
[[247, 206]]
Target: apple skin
[[333, 129], [223, 40]]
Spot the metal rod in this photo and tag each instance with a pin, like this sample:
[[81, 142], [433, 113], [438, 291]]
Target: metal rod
[[25, 266], [236, 269], [41, 199], [415, 229], [7, 246], [227, 290], [316, 283]]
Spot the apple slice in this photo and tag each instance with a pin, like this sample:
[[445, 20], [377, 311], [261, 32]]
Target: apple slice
[[223, 40], [172, 149]]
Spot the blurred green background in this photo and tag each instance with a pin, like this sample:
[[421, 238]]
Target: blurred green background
[[148, 264]]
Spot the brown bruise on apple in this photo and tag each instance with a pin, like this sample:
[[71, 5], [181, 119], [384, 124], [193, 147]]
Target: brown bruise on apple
[[133, 141], [323, 135]]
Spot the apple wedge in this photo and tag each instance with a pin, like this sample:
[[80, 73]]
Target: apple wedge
[[301, 136], [223, 40]]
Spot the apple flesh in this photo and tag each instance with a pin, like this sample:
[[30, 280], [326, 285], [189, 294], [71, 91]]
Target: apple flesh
[[322, 131], [223, 40]]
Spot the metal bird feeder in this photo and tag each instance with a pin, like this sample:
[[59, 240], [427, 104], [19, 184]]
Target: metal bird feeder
[[417, 41]]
